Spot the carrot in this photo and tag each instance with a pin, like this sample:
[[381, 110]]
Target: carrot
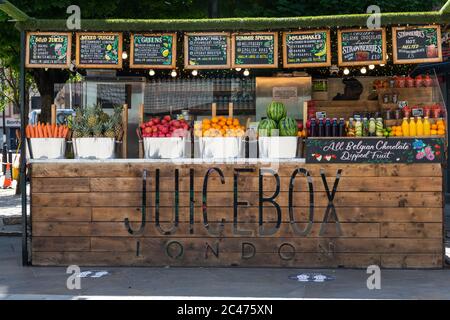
[[35, 132], [60, 131], [49, 130], [40, 131], [27, 131], [65, 131]]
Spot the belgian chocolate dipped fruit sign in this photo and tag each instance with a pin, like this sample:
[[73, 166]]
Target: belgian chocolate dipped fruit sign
[[306, 49], [417, 44], [99, 50], [392, 150], [156, 51], [207, 51], [48, 50], [255, 50], [361, 47]]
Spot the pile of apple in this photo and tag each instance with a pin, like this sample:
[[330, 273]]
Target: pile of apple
[[165, 127]]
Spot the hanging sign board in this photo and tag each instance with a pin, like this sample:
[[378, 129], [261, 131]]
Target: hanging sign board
[[417, 44], [48, 50], [304, 49], [153, 51], [99, 50], [255, 50], [207, 51], [361, 47]]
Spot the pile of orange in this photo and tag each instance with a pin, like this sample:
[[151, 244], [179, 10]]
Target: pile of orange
[[397, 131], [438, 128], [219, 127]]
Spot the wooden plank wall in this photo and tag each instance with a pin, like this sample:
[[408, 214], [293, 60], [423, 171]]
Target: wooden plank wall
[[390, 215]]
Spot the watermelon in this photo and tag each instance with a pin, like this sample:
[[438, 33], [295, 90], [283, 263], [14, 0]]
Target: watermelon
[[288, 127], [276, 111], [266, 126]]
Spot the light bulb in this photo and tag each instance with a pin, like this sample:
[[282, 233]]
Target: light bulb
[[238, 69], [372, 66], [173, 74], [363, 70], [151, 72], [194, 72], [346, 71], [124, 55], [246, 72]]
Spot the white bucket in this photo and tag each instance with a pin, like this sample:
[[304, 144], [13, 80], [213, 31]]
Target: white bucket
[[94, 148], [164, 148], [277, 147], [47, 148], [220, 147]]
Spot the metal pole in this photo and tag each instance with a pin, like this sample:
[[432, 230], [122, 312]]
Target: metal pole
[[23, 158], [5, 143]]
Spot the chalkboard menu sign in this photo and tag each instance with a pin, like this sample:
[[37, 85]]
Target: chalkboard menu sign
[[153, 51], [48, 50], [417, 44], [361, 47], [306, 49], [376, 150], [99, 50], [255, 50], [207, 51]]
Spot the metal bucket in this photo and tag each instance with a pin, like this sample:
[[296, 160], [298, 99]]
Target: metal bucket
[[220, 147], [47, 148], [164, 148], [277, 147], [94, 148]]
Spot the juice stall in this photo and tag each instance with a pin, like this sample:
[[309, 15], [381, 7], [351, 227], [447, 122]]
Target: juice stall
[[287, 142]]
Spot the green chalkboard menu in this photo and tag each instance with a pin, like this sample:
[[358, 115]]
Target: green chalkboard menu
[[207, 50], [417, 44], [255, 50], [153, 51], [48, 50], [306, 49], [376, 150], [361, 47], [99, 50]]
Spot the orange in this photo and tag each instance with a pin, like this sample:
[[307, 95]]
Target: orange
[[236, 122], [214, 120], [441, 132], [222, 123], [434, 127], [225, 127], [206, 121]]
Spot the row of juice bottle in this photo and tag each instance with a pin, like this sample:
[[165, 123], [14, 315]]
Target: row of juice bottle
[[327, 127], [365, 127], [412, 127]]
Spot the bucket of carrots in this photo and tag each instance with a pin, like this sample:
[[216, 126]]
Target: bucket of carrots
[[46, 141]]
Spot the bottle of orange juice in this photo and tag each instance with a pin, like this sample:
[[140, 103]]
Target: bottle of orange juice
[[419, 127], [405, 127], [412, 127], [426, 127]]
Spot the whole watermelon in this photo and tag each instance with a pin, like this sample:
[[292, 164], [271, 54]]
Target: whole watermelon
[[276, 111], [288, 127], [265, 127]]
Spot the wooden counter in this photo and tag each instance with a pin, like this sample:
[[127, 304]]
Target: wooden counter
[[389, 215]]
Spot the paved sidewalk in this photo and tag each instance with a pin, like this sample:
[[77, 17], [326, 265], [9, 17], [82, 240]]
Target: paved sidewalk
[[17, 282], [10, 212]]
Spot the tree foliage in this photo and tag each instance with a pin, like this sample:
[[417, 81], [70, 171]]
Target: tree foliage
[[159, 9]]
